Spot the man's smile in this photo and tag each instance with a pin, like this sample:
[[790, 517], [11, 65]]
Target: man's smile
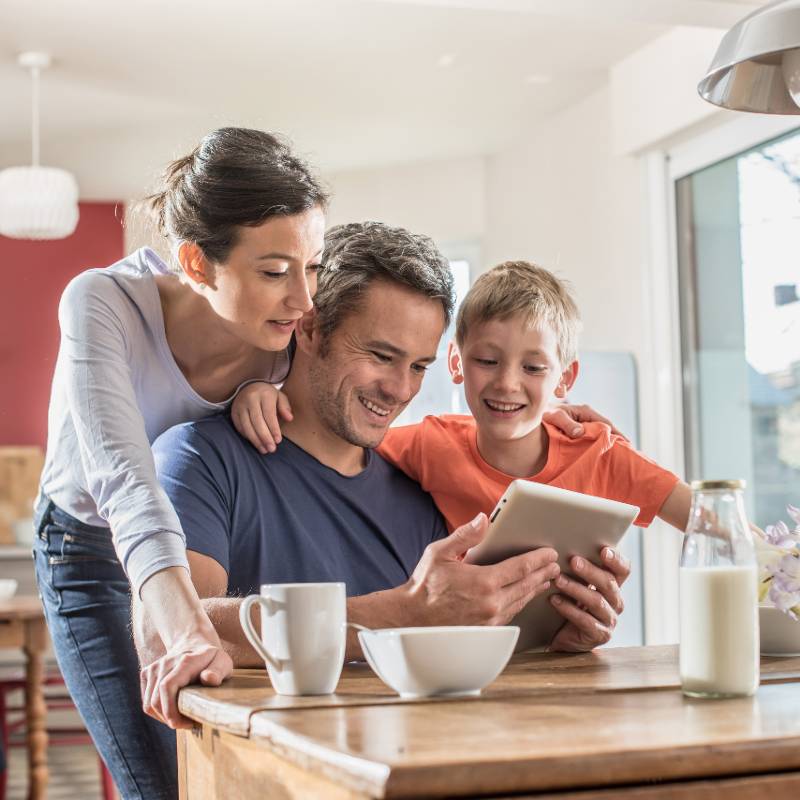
[[372, 406]]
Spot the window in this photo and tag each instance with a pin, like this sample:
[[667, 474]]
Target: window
[[739, 261], [439, 395]]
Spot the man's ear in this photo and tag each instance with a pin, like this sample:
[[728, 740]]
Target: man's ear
[[567, 380], [195, 265], [454, 363], [307, 331]]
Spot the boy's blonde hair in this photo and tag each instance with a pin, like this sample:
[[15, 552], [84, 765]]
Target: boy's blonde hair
[[519, 287]]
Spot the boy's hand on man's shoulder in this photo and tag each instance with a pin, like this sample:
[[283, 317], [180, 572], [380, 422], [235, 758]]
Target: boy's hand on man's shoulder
[[568, 419]]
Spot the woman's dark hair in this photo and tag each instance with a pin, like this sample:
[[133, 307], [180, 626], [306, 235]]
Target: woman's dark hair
[[234, 177]]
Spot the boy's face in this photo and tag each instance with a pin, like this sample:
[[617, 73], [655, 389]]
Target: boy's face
[[510, 372]]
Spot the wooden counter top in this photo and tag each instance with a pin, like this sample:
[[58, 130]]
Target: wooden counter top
[[610, 724], [230, 706]]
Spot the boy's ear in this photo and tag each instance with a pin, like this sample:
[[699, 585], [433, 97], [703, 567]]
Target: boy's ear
[[454, 363], [567, 380], [307, 332], [194, 265]]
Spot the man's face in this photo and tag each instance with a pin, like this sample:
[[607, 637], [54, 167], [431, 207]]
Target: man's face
[[374, 362]]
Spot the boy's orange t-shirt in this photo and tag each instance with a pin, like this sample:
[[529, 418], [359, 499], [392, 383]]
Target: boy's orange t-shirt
[[441, 454]]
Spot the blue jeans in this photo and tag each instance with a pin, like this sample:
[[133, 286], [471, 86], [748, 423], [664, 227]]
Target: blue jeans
[[87, 604]]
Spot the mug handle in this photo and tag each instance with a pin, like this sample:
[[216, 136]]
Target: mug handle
[[247, 626]]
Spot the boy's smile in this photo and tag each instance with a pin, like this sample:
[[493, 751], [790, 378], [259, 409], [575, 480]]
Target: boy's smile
[[511, 372]]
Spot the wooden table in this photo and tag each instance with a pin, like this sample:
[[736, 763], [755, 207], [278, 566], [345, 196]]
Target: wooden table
[[22, 625], [600, 725]]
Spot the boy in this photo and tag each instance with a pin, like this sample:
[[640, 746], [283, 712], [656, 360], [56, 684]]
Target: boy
[[515, 349]]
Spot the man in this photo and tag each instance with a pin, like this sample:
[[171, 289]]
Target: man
[[324, 506]]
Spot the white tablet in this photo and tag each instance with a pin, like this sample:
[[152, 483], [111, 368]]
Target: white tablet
[[531, 515]]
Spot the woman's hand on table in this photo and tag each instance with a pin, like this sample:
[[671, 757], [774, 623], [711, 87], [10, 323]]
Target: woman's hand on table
[[170, 611], [187, 661], [256, 413], [569, 419], [591, 605]]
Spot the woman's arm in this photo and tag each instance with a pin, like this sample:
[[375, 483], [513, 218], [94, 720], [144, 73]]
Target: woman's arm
[[98, 323], [94, 365], [171, 611]]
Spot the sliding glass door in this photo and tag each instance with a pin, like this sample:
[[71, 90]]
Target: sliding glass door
[[738, 227]]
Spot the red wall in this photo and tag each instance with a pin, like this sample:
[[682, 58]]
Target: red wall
[[32, 277]]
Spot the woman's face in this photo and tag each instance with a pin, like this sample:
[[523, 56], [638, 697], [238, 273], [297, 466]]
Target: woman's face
[[269, 278]]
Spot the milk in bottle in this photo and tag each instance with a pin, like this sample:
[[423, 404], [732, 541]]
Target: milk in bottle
[[719, 643]]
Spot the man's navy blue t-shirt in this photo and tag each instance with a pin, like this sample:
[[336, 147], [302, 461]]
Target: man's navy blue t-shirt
[[285, 517]]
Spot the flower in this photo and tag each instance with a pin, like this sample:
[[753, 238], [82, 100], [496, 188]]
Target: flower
[[778, 552]]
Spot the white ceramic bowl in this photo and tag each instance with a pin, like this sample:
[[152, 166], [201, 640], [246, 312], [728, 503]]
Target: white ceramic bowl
[[446, 660], [8, 587], [780, 634]]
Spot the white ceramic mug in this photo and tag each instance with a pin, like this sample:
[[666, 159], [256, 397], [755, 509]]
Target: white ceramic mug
[[303, 634]]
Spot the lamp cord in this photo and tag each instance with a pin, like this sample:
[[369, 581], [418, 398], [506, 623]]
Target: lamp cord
[[35, 117]]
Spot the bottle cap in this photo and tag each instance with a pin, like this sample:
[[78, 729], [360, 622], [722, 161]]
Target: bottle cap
[[705, 486]]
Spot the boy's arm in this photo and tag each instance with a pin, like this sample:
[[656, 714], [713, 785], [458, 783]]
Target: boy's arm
[[675, 509], [569, 419]]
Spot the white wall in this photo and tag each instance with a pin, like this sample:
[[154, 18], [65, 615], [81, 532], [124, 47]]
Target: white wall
[[563, 199], [443, 199], [654, 90]]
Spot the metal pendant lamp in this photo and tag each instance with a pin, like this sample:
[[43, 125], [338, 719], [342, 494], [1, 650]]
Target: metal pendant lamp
[[757, 65], [37, 202]]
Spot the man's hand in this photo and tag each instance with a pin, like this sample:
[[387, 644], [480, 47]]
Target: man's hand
[[591, 605], [568, 418], [186, 661], [446, 591]]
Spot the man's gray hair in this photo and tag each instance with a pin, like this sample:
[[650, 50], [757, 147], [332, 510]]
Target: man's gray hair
[[362, 252]]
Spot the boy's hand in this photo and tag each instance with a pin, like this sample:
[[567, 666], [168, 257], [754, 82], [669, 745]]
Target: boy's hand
[[591, 608], [255, 414], [568, 418]]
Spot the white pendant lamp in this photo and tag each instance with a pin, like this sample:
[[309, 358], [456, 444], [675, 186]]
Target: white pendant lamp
[[757, 65], [37, 202]]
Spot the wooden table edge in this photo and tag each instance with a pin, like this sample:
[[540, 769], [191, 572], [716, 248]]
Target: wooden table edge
[[651, 766], [205, 710]]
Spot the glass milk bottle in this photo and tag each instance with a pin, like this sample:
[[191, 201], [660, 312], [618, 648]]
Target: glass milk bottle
[[719, 648]]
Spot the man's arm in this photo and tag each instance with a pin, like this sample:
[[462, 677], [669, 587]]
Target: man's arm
[[211, 582], [442, 590]]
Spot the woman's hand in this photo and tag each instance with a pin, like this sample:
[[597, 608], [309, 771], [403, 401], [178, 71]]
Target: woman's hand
[[568, 418], [255, 413], [169, 611], [189, 659]]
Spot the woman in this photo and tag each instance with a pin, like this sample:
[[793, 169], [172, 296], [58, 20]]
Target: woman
[[144, 347]]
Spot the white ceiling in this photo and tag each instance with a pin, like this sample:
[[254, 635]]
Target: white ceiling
[[354, 83]]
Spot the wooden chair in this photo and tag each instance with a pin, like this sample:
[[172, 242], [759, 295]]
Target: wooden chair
[[12, 721]]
